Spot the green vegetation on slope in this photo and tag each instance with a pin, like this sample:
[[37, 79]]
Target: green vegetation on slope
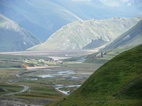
[[116, 83]]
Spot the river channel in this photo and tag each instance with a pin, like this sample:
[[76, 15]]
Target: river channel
[[65, 81]]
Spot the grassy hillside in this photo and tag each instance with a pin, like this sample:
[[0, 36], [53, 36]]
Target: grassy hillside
[[130, 38], [116, 83], [78, 34], [13, 37]]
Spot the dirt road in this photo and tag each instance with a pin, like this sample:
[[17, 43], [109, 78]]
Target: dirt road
[[25, 88]]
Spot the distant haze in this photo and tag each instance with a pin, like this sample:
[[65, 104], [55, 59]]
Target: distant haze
[[43, 17]]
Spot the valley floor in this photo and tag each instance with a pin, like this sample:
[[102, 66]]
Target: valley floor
[[39, 86]]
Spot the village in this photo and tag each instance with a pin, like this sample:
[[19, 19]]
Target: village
[[40, 63], [30, 63]]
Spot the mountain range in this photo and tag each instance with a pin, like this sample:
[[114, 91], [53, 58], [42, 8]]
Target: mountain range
[[43, 18], [79, 34], [13, 37]]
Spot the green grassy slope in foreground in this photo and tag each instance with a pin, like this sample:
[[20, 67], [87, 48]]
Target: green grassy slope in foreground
[[116, 83]]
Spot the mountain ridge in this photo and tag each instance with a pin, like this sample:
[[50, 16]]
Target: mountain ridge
[[13, 37], [43, 18], [78, 34]]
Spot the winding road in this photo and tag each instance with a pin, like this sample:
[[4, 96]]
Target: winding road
[[14, 93]]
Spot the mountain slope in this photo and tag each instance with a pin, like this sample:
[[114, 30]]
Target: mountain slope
[[13, 37], [116, 83], [78, 34], [43, 18], [130, 38], [95, 44]]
